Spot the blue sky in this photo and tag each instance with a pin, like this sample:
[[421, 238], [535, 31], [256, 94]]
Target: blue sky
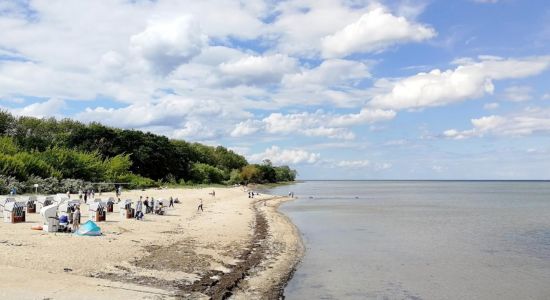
[[345, 89]]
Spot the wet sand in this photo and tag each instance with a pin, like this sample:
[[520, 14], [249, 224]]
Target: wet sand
[[238, 247]]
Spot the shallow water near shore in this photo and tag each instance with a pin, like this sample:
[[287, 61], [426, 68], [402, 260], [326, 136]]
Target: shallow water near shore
[[421, 239]]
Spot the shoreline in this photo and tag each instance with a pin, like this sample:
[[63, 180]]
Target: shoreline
[[238, 247]]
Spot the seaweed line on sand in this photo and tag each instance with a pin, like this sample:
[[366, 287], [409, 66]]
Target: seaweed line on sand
[[214, 284]]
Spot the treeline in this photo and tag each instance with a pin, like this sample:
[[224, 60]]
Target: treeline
[[36, 150]]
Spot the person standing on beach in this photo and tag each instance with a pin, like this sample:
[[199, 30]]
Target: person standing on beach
[[146, 203], [171, 202], [139, 208], [76, 219], [200, 206]]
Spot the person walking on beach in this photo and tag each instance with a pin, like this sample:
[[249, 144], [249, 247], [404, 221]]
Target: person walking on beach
[[146, 204], [200, 206], [76, 219], [171, 202]]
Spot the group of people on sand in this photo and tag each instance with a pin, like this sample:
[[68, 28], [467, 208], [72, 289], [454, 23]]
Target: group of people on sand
[[150, 207], [252, 193]]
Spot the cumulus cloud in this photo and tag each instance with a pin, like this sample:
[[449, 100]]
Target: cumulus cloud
[[286, 156], [518, 93], [331, 72], [353, 164], [373, 31], [311, 124], [259, 69], [492, 105], [525, 123], [51, 107], [166, 44], [366, 115], [172, 115], [471, 80], [361, 164]]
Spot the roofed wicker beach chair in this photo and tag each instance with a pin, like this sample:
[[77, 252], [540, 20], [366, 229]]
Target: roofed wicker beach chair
[[126, 210], [14, 212], [97, 212]]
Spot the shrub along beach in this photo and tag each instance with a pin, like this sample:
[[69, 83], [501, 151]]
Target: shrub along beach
[[67, 155]]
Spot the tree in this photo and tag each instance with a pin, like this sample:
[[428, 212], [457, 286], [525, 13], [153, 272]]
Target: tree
[[251, 173]]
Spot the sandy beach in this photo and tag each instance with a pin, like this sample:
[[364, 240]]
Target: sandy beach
[[238, 248]]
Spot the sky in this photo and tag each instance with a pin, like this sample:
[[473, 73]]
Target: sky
[[351, 89]]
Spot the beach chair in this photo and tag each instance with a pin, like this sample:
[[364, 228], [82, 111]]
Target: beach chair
[[14, 212], [126, 210], [67, 209], [45, 201], [158, 207], [5, 201], [109, 205], [50, 221], [97, 212], [30, 204]]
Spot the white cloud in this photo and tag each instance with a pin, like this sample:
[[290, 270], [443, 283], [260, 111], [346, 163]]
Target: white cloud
[[518, 93], [524, 123], [166, 44], [354, 164], [247, 127], [171, 115], [194, 130], [375, 30], [304, 123], [490, 106], [546, 96], [51, 107], [259, 69], [331, 72], [468, 81], [312, 124], [286, 156], [361, 164], [366, 115]]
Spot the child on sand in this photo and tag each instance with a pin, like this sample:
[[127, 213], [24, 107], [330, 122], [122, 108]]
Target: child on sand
[[200, 206], [76, 219]]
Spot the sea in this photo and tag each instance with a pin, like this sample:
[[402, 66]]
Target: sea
[[421, 239]]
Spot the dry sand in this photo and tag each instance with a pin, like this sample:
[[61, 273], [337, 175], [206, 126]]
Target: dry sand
[[238, 247]]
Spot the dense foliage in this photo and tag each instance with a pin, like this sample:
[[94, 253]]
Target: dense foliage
[[66, 154]]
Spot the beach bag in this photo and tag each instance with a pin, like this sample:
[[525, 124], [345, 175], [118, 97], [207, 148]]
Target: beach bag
[[89, 228]]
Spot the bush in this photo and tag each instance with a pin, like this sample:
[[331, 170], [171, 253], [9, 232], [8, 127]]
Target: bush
[[235, 177], [9, 182], [203, 173], [75, 164], [136, 181], [12, 166], [45, 185]]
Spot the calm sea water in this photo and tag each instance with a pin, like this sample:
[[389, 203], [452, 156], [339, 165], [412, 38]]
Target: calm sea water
[[421, 240]]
